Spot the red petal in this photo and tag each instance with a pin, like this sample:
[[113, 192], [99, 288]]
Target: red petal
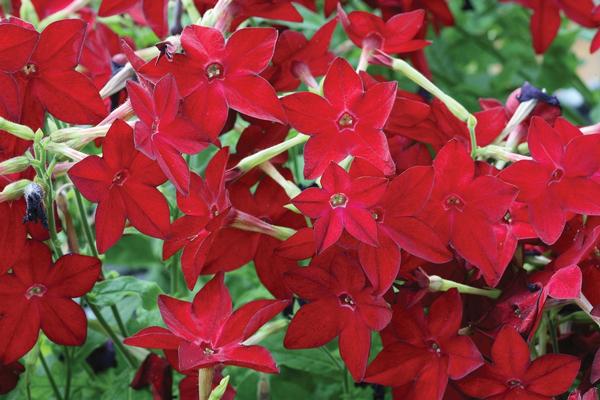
[[249, 50], [202, 43], [313, 202], [154, 337], [73, 275], [510, 354], [397, 365], [177, 315], [342, 86], [328, 230], [246, 320], [355, 345], [309, 113], [464, 357], [20, 327], [110, 220], [544, 25], [253, 96], [16, 45], [361, 224], [70, 96], [254, 357], [552, 374], [147, 209], [212, 306], [60, 46], [545, 144], [547, 218], [308, 327], [92, 178], [155, 12], [566, 283], [381, 264], [63, 321]]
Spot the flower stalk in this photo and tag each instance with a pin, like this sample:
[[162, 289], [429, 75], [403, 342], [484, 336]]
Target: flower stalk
[[254, 160], [21, 131], [439, 284], [250, 223], [205, 378]]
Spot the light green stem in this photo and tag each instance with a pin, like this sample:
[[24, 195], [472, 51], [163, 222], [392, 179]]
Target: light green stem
[[439, 284]]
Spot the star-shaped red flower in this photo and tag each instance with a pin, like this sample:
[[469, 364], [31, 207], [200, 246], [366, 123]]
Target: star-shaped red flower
[[46, 79], [342, 204], [463, 209], [123, 182], [215, 75], [421, 352], [340, 303], [206, 332], [155, 12], [347, 121], [513, 376], [559, 179], [38, 295]]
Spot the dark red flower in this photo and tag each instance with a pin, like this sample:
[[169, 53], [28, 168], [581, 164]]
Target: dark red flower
[[156, 372], [545, 20], [38, 295], [396, 35], [347, 121], [463, 209], [215, 76], [207, 210], [297, 59], [205, 332], [559, 178], [352, 311], [513, 376], [240, 10], [421, 352], [163, 133], [155, 12], [47, 79], [342, 204], [9, 376], [123, 182]]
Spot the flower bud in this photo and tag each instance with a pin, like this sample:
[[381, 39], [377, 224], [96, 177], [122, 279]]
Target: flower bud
[[14, 165], [21, 131], [14, 190]]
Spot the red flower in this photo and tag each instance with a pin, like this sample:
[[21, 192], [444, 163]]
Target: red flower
[[37, 295], [341, 303], [297, 59], [513, 376], [347, 121], [205, 332], [48, 81], [421, 352], [218, 76], [9, 376], [156, 372], [396, 35], [155, 12], [162, 133], [123, 182], [463, 209], [559, 178], [207, 209], [342, 203], [545, 20]]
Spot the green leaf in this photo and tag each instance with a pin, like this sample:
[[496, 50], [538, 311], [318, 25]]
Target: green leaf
[[111, 291]]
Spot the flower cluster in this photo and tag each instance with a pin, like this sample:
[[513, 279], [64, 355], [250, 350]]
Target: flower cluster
[[452, 254]]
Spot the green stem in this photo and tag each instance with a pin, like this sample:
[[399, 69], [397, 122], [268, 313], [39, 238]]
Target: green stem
[[553, 330], [50, 378], [438, 284], [87, 230], [117, 342], [89, 236], [247, 163], [68, 374]]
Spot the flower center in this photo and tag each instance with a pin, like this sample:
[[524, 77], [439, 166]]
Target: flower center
[[214, 70], [514, 383], [209, 351], [507, 217], [347, 300], [557, 175], [29, 69], [434, 347], [346, 121], [214, 211], [338, 200], [36, 290], [377, 214], [454, 201], [120, 177]]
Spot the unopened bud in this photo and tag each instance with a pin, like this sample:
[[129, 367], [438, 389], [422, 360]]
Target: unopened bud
[[14, 165], [18, 130], [14, 190]]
